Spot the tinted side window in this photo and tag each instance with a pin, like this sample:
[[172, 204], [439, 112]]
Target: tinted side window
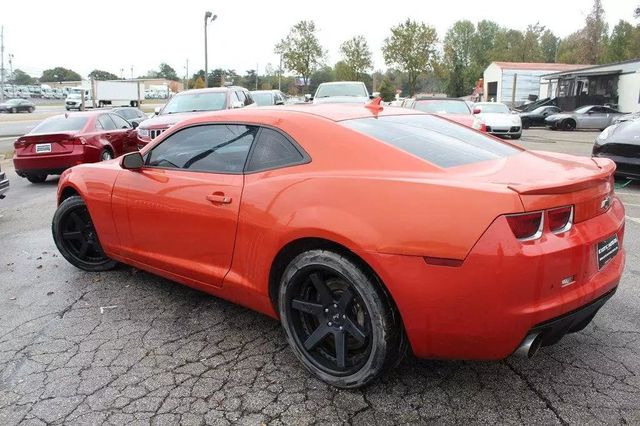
[[121, 123], [249, 99], [433, 139], [106, 122], [273, 150], [218, 148], [241, 97]]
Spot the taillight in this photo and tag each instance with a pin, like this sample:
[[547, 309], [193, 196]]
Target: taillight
[[19, 144], [560, 219], [526, 226]]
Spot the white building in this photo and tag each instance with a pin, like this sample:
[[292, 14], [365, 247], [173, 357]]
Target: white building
[[617, 84], [499, 79]]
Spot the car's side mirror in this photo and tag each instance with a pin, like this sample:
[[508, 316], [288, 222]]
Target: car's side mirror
[[134, 124], [279, 102], [132, 161], [237, 104], [157, 110], [477, 110]]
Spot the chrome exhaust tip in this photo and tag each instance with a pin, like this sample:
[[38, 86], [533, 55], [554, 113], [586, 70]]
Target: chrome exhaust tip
[[529, 346]]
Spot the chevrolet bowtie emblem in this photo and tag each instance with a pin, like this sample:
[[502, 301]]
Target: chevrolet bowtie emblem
[[605, 203]]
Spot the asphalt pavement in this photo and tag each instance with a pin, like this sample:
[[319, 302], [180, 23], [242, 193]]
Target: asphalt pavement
[[128, 347]]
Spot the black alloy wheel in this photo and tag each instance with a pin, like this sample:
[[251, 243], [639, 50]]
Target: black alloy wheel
[[337, 319], [76, 237], [568, 125]]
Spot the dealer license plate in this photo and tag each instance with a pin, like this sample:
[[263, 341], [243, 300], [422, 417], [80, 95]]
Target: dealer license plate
[[43, 147], [607, 250]]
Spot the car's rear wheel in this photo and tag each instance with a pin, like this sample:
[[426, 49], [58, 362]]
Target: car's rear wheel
[[338, 320], [76, 237], [36, 178], [525, 124], [31, 109], [568, 125]]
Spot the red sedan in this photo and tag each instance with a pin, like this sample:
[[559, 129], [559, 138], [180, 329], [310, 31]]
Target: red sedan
[[364, 230], [65, 140], [451, 108]]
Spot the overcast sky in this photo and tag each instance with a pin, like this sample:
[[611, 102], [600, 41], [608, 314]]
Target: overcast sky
[[115, 35]]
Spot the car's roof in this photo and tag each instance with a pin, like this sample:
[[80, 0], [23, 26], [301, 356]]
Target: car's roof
[[435, 98], [331, 83], [334, 112], [210, 89], [489, 103]]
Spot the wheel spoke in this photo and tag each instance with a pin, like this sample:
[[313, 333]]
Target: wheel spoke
[[308, 307], [354, 330], [321, 287], [341, 348], [316, 337], [73, 235], [345, 300], [83, 249], [77, 220]]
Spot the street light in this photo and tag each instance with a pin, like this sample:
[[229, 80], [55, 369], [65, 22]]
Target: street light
[[208, 17], [13, 79]]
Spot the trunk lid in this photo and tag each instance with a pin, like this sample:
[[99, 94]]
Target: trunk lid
[[545, 180], [46, 144]]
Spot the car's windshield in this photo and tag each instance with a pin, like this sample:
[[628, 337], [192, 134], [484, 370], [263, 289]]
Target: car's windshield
[[540, 110], [443, 107], [263, 98], [73, 96], [493, 108], [13, 101], [127, 113], [61, 123], [345, 89], [433, 139], [191, 102]]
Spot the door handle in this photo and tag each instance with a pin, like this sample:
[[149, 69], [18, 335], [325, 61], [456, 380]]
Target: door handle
[[219, 199]]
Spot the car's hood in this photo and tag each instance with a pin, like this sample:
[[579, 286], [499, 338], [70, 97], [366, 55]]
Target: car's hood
[[341, 99], [559, 116], [627, 132], [166, 120], [496, 119]]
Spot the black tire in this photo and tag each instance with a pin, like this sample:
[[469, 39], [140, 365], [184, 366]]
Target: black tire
[[77, 239], [568, 125], [106, 155], [325, 302], [525, 124], [31, 109], [39, 178], [14, 110], [516, 136]]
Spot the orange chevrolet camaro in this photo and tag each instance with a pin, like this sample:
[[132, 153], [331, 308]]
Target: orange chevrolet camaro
[[366, 231]]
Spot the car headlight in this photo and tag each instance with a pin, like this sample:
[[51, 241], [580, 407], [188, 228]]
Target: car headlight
[[143, 133], [606, 133], [477, 124]]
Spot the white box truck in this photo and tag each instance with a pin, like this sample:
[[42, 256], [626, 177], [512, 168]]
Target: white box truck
[[117, 93]]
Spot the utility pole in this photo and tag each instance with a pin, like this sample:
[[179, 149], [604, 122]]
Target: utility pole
[[186, 80], [2, 63], [213, 17], [13, 80], [280, 74], [131, 72], [513, 91], [256, 76]]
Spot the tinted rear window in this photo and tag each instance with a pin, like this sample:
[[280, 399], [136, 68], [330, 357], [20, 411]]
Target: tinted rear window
[[61, 124], [433, 139]]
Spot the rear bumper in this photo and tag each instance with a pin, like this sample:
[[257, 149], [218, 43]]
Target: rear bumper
[[484, 308], [54, 164]]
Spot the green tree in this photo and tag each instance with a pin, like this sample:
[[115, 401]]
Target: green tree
[[166, 71], [411, 48], [250, 79], [59, 74], [301, 51], [595, 33], [531, 50], [21, 78], [620, 46], [199, 82], [342, 71], [387, 90], [102, 75], [549, 46], [321, 75], [570, 49], [484, 43], [356, 56], [458, 45]]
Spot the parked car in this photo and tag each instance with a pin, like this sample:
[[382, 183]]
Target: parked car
[[185, 104], [536, 117], [65, 140], [133, 115], [4, 184], [17, 105], [268, 97], [74, 101], [498, 119], [621, 143], [627, 117], [363, 230], [450, 108], [586, 117], [341, 92]]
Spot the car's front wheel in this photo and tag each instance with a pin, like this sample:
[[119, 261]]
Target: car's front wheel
[[338, 320], [76, 237]]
